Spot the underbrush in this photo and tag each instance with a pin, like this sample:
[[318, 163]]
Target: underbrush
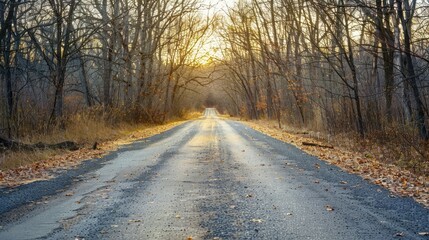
[[393, 145], [396, 148], [12, 159]]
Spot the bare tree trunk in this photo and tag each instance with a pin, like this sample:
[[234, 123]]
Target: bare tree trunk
[[385, 34], [411, 75], [356, 97], [298, 65], [58, 74], [252, 71], [85, 83], [5, 44], [109, 43], [62, 54]]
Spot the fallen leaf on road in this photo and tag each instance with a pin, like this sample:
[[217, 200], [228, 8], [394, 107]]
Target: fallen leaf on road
[[329, 208], [135, 220], [255, 220]]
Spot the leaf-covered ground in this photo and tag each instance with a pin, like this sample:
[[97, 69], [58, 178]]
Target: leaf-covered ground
[[61, 160], [364, 163]]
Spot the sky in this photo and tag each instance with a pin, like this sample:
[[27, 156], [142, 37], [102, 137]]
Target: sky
[[211, 48]]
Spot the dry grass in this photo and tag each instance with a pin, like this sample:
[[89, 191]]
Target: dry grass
[[83, 128], [12, 160]]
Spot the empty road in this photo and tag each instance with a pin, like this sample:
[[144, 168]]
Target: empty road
[[208, 179]]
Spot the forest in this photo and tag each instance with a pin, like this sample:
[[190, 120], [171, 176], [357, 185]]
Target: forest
[[333, 66], [125, 60]]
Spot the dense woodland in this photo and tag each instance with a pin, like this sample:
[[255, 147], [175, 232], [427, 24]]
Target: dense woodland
[[127, 60], [333, 66]]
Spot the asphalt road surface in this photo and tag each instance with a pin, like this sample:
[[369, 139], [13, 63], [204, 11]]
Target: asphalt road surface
[[208, 179]]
